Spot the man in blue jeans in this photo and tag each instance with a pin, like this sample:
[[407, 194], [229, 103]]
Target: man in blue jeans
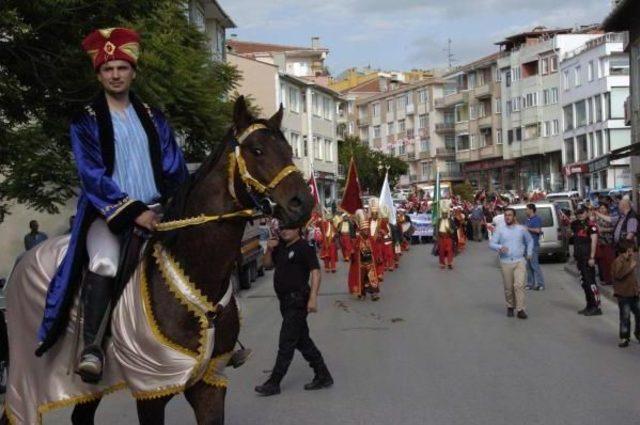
[[535, 280]]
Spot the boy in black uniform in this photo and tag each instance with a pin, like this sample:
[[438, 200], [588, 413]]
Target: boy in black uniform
[[294, 261], [585, 240]]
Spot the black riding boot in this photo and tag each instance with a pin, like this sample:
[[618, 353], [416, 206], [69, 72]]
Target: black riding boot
[[96, 295], [322, 378]]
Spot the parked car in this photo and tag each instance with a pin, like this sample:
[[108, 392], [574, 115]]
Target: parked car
[[554, 240], [249, 263]]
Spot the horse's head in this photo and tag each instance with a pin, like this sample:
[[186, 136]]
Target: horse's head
[[265, 168]]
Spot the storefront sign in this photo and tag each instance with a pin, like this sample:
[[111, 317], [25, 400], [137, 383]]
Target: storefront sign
[[568, 170], [325, 176], [599, 164]]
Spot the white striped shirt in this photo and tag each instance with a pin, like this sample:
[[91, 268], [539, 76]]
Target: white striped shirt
[[132, 170]]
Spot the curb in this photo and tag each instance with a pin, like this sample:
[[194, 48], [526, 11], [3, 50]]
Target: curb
[[605, 290]]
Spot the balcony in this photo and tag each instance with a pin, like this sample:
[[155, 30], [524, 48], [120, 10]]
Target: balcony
[[445, 127], [410, 109], [454, 99], [462, 127], [485, 122], [424, 155], [451, 174], [483, 91], [492, 151], [413, 178], [362, 121], [411, 156], [411, 133], [423, 133], [439, 103], [467, 155], [445, 152]]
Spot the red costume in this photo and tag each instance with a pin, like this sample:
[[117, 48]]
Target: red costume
[[378, 246], [329, 250], [388, 251], [363, 277], [344, 230]]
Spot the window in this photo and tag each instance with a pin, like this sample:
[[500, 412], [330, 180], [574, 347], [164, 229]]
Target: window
[[510, 136], [590, 73], [498, 75], [316, 101], [581, 114], [544, 66], [577, 76], [350, 107], [426, 169], [518, 134], [294, 140], [317, 148], [472, 141], [471, 80], [508, 109], [423, 121], [390, 128], [390, 105], [568, 117], [481, 110], [327, 108], [423, 96], [424, 145], [531, 132], [283, 95], [376, 131], [516, 73], [463, 142], [546, 128], [530, 100], [598, 107], [515, 102], [566, 83], [546, 98], [498, 105], [499, 136], [401, 126], [362, 111], [618, 97], [607, 106], [472, 112], [619, 65], [507, 78], [591, 146], [554, 95], [375, 109], [555, 127], [619, 138], [604, 66], [589, 111], [401, 102], [294, 99], [599, 145], [553, 63], [328, 150]]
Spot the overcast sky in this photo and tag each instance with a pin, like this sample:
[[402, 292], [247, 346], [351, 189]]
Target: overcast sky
[[402, 34]]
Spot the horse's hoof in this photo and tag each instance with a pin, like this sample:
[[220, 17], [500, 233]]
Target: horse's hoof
[[240, 357]]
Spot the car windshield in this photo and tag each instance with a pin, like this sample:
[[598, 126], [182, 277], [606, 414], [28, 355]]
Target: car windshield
[[544, 213]]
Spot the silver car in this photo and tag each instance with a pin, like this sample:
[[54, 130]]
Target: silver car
[[554, 240]]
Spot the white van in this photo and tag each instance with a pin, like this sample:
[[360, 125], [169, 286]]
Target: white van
[[554, 241]]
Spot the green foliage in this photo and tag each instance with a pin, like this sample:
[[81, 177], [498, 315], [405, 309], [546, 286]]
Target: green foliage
[[464, 191], [45, 78], [367, 161]]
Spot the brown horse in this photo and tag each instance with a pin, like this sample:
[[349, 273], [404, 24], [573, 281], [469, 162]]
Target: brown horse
[[208, 251]]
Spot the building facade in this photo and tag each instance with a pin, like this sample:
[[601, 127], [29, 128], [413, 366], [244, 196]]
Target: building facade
[[211, 19], [310, 117], [468, 118], [595, 87], [531, 109]]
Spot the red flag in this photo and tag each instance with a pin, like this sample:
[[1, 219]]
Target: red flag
[[351, 200], [313, 187]]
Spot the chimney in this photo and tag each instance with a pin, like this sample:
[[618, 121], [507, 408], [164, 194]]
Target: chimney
[[315, 42]]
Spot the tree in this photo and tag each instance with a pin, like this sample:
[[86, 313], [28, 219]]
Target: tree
[[367, 161], [45, 78], [464, 190]]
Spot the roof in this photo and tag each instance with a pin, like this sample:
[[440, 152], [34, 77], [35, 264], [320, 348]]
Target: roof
[[622, 17], [224, 18], [479, 63], [404, 88], [371, 86], [311, 83], [247, 47], [535, 32], [229, 54]]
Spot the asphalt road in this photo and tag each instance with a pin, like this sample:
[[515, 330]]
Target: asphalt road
[[436, 349]]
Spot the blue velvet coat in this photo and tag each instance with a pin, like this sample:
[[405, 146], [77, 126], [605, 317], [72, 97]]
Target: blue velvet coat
[[93, 148]]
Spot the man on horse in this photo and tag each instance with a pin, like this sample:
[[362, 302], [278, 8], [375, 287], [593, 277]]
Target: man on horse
[[128, 163]]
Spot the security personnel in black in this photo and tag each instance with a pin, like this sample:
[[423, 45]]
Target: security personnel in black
[[585, 240], [294, 261]]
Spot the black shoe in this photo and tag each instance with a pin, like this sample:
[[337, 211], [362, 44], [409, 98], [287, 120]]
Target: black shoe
[[583, 311], [594, 311], [522, 315], [510, 312], [637, 337], [271, 387], [322, 379], [90, 365], [239, 357], [624, 343]]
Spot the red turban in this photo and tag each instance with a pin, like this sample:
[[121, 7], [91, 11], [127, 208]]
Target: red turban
[[112, 44]]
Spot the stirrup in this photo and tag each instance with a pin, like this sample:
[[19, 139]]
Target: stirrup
[[239, 357], [91, 366]]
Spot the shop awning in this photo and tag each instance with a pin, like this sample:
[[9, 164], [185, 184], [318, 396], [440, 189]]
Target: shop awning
[[625, 152]]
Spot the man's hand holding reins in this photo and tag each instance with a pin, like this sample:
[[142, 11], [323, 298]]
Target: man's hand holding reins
[[148, 220]]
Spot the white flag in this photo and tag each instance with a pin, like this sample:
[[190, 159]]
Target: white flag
[[387, 200]]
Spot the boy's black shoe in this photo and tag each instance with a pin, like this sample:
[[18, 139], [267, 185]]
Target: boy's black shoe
[[509, 312], [271, 387], [593, 311], [583, 311], [624, 343], [522, 315]]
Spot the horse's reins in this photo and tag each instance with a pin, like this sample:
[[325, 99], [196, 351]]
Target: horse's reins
[[236, 159]]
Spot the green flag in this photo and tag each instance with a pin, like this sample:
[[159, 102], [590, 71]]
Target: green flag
[[435, 207]]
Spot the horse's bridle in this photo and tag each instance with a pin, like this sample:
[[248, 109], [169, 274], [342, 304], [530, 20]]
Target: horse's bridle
[[263, 204]]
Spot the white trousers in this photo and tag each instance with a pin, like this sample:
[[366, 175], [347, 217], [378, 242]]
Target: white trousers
[[103, 248]]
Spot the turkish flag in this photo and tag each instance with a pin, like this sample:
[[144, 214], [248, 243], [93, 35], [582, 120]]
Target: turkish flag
[[313, 187], [351, 199]]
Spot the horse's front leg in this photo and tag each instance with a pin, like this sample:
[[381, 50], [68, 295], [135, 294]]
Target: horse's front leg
[[85, 413], [151, 412], [207, 402]]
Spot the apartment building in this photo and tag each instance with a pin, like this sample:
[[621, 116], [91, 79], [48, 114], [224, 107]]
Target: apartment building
[[399, 122], [302, 62], [310, 117], [595, 86], [468, 118], [211, 19], [531, 110], [624, 17]]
